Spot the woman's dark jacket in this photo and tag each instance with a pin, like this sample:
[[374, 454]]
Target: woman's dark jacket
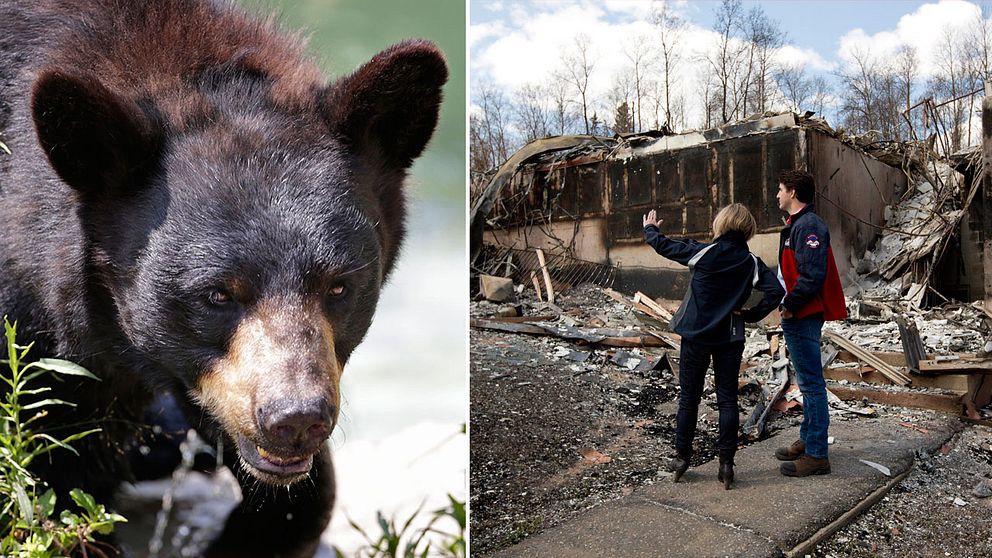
[[721, 284]]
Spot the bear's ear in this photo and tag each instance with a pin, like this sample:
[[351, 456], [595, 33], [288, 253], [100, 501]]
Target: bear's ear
[[389, 107], [95, 140]]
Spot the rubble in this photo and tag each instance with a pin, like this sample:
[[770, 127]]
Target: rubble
[[606, 363], [496, 289], [563, 421]]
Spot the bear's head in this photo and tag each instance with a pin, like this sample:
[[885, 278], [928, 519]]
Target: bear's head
[[241, 256]]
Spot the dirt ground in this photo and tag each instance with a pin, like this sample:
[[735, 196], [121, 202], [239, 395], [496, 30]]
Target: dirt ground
[[555, 431], [551, 436], [943, 508]]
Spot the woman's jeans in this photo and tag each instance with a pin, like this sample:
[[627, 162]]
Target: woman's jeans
[[802, 336], [693, 362]]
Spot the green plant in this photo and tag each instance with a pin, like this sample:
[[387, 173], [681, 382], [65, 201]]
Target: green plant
[[27, 526], [401, 542]]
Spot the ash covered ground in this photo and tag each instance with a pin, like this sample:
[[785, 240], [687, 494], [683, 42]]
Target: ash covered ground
[[558, 427]]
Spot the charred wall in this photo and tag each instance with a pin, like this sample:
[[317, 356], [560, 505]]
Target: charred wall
[[852, 193], [687, 186]]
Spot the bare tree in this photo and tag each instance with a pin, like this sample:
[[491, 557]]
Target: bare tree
[[670, 30], [978, 55], [978, 46], [478, 148], [859, 92], [713, 100], [950, 81], [796, 86], [578, 66], [906, 69], [641, 55], [620, 93], [821, 94], [493, 125], [558, 90], [531, 111], [725, 59], [764, 37]]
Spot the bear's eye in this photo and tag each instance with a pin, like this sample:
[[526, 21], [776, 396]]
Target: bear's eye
[[336, 291], [219, 297]]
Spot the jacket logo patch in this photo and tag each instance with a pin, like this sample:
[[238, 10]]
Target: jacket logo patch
[[812, 241], [788, 242]]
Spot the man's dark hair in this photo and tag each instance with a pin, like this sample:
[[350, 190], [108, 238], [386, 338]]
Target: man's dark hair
[[801, 182]]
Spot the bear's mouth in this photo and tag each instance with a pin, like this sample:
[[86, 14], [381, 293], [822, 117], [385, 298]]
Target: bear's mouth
[[269, 467]]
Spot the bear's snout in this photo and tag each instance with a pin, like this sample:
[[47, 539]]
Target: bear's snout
[[296, 426]]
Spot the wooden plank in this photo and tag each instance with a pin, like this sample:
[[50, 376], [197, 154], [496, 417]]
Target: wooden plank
[[950, 382], [547, 276], [616, 296], [671, 340], [537, 285], [650, 303], [646, 340], [916, 400], [891, 373], [523, 319], [647, 310], [892, 359], [956, 366]]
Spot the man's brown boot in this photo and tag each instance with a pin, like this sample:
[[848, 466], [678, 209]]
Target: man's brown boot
[[805, 466], [791, 453]]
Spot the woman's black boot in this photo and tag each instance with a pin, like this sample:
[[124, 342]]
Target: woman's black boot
[[726, 472], [680, 465]]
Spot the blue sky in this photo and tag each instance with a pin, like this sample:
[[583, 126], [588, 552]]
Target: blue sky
[[513, 43], [819, 24]]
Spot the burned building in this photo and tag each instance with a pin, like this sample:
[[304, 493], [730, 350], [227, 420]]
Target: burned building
[[583, 197]]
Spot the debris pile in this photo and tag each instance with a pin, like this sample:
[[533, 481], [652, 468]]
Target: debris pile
[[916, 233]]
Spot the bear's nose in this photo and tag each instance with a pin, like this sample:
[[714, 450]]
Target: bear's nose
[[296, 425]]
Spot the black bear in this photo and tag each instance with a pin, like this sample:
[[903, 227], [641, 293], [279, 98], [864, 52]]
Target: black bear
[[188, 207]]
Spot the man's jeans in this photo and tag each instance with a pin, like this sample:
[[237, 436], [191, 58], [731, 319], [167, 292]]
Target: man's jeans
[[693, 361], [803, 339]]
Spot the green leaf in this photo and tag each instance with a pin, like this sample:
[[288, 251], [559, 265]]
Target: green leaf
[[24, 503], [457, 511], [84, 501], [34, 391], [382, 523], [51, 446], [63, 367], [45, 403], [70, 518], [47, 503]]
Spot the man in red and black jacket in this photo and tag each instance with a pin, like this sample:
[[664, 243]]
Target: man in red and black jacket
[[813, 295]]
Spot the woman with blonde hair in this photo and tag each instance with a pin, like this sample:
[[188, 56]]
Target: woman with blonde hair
[[711, 323]]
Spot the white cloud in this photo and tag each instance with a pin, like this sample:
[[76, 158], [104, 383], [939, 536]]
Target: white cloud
[[523, 44], [634, 9], [791, 55], [923, 29], [481, 31], [529, 48]]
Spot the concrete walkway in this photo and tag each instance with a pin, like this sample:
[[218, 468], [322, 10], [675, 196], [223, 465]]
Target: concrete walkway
[[764, 514]]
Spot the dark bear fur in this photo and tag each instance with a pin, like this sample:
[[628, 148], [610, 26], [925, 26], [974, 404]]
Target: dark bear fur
[[190, 208]]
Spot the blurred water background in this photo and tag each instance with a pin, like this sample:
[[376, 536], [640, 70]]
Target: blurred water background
[[399, 444]]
